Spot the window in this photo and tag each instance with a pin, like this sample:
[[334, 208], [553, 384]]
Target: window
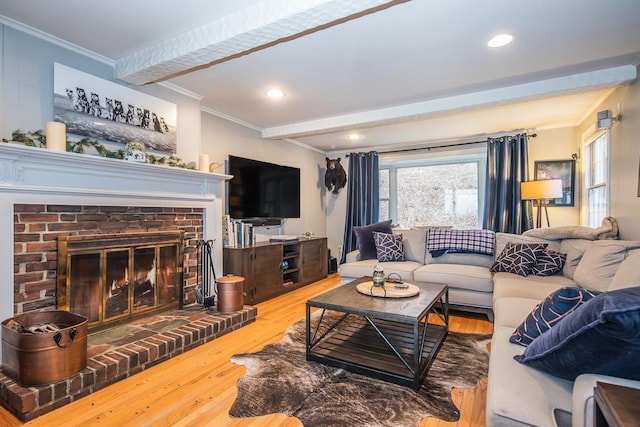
[[384, 192], [432, 193], [596, 179]]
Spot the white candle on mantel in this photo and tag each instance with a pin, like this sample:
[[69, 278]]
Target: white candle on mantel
[[56, 136], [203, 162]]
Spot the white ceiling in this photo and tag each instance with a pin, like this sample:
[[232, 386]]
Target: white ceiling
[[413, 72]]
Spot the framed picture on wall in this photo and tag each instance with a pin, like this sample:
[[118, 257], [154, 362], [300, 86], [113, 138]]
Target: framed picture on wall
[[558, 169]]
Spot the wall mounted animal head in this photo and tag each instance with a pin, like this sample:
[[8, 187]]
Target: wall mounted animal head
[[335, 177]]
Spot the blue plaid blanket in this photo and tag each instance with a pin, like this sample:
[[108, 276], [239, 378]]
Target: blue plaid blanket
[[441, 241]]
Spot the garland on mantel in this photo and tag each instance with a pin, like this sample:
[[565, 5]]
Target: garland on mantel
[[38, 139]]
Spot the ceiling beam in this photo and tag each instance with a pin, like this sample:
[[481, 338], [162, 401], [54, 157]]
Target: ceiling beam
[[566, 85], [256, 27]]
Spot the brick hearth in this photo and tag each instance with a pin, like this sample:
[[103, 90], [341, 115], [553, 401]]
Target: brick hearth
[[122, 351]]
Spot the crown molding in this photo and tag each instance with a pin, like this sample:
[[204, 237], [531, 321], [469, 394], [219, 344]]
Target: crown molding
[[230, 118], [181, 90], [235, 120], [55, 40]]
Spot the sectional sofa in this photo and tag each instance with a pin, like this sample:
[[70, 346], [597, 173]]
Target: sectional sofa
[[467, 274], [528, 392]]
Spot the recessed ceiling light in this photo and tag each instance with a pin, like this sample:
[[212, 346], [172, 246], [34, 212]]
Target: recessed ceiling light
[[500, 40], [354, 136], [275, 93]]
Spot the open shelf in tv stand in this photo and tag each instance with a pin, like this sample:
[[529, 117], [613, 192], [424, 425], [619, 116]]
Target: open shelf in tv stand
[[261, 265]]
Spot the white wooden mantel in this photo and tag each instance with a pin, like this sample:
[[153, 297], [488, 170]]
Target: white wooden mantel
[[30, 175]]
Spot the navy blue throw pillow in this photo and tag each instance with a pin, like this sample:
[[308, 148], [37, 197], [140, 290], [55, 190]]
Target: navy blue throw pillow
[[602, 336], [364, 238], [548, 263], [518, 258], [557, 306]]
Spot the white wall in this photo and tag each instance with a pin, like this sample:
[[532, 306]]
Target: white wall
[[220, 138], [27, 88], [625, 158], [557, 144]]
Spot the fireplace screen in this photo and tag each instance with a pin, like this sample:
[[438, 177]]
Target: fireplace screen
[[110, 278]]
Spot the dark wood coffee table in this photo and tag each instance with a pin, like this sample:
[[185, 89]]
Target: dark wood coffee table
[[386, 338]]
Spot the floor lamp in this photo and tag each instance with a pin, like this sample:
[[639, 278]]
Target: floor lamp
[[541, 191]]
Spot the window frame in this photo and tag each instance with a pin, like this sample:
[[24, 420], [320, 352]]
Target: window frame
[[588, 138], [434, 160]]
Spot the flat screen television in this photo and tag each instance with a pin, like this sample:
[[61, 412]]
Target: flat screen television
[[262, 190]]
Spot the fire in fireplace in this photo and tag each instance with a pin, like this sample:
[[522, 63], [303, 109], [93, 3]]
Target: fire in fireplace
[[113, 278]]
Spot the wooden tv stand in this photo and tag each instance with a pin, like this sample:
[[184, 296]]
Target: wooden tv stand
[[261, 265]]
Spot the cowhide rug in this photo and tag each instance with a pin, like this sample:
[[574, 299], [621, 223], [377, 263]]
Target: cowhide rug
[[279, 379]]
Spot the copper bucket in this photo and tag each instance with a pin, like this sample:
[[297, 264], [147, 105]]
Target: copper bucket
[[230, 293], [44, 357]]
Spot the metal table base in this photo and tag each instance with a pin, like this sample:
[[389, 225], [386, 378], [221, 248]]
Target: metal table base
[[397, 349]]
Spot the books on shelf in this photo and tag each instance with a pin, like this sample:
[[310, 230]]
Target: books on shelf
[[236, 233], [226, 238]]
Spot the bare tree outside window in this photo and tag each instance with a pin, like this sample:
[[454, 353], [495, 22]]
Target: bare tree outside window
[[384, 194], [435, 195]]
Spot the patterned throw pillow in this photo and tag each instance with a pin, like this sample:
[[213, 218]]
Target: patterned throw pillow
[[388, 246], [550, 311], [548, 263], [518, 258]]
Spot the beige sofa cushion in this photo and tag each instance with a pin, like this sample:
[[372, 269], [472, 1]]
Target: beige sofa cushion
[[518, 392], [535, 287], [599, 264], [628, 274], [460, 258], [512, 311], [414, 242], [365, 268], [469, 277], [468, 298], [574, 248]]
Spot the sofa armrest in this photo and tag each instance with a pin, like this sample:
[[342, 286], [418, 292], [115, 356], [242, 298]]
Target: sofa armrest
[[352, 256], [583, 404]]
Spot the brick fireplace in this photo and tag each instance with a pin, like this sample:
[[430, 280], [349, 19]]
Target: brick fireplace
[[83, 259], [45, 195]]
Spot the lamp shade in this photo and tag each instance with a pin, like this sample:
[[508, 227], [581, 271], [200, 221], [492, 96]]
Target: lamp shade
[[543, 189]]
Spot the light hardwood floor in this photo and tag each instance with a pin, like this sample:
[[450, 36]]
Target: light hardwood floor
[[198, 387]]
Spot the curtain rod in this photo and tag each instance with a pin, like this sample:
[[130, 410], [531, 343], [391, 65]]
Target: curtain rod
[[405, 150]]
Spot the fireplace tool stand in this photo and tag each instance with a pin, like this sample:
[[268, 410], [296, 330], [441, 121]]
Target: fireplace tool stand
[[205, 272]]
